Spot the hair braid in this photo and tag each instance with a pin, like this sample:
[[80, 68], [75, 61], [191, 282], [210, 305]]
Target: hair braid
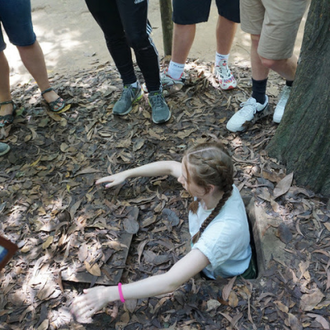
[[209, 164], [213, 214]]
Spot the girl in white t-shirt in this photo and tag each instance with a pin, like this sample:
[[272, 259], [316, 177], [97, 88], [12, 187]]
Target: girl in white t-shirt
[[217, 223]]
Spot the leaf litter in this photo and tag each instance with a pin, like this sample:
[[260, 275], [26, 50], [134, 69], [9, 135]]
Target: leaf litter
[[72, 234]]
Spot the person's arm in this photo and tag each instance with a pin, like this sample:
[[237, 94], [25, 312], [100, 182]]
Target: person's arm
[[96, 298], [153, 169]]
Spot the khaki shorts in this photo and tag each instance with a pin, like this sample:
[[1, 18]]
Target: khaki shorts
[[276, 21]]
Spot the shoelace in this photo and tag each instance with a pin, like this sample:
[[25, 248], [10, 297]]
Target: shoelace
[[157, 100], [249, 105], [129, 91], [224, 70]]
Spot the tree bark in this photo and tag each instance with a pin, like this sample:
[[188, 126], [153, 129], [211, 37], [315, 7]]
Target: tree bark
[[302, 140], [167, 25]]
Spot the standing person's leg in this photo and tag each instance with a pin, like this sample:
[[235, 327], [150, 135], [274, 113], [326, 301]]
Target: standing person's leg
[[275, 49], [34, 61], [17, 22], [225, 33], [183, 38], [6, 107], [137, 29], [228, 18], [252, 16], [186, 14], [107, 16]]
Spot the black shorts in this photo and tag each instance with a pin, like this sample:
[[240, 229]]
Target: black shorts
[[196, 11]]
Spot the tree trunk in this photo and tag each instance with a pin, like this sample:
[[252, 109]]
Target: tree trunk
[[302, 140], [167, 25]]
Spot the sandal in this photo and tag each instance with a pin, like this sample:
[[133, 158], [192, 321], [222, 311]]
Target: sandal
[[56, 105], [8, 119]]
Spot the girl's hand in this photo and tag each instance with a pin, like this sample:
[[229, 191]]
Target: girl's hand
[[91, 301], [113, 180]]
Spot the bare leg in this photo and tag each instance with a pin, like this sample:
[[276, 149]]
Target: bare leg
[[286, 68], [6, 109], [259, 71], [183, 38], [225, 33], [260, 65], [33, 59]]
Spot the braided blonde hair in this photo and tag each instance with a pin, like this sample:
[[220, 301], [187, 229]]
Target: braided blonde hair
[[210, 164]]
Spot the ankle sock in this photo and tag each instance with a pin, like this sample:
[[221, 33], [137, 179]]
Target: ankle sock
[[220, 57], [289, 83], [175, 70], [259, 90]]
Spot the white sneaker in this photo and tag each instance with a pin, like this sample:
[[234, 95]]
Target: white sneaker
[[283, 99], [224, 76], [246, 114], [171, 85]]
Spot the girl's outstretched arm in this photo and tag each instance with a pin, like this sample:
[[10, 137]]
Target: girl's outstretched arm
[[153, 169], [96, 298]]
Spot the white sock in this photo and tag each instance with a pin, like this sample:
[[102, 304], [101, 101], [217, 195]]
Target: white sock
[[175, 70], [220, 57]]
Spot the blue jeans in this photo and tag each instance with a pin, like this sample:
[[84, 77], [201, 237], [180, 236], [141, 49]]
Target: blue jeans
[[15, 16]]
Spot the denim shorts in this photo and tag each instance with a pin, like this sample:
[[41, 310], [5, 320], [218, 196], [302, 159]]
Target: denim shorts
[[198, 11], [15, 17]]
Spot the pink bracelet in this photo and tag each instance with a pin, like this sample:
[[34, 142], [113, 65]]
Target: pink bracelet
[[121, 296]]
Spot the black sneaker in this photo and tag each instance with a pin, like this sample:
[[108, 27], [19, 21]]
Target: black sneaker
[[160, 111], [129, 96]]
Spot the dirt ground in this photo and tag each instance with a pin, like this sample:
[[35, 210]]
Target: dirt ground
[[64, 224], [72, 41]]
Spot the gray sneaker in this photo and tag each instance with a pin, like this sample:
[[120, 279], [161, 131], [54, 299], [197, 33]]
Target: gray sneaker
[[160, 111], [129, 96], [4, 148]]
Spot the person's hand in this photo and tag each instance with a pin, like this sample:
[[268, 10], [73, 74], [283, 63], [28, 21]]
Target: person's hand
[[113, 180], [91, 301]]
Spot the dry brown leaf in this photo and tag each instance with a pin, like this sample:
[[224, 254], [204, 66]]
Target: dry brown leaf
[[227, 288], [48, 242], [303, 266], [212, 304], [130, 305], [233, 300], [281, 306], [74, 208], [294, 322], [47, 290], [94, 270], [271, 176], [327, 225], [87, 170], [320, 319], [283, 186], [171, 216], [310, 300], [44, 325]]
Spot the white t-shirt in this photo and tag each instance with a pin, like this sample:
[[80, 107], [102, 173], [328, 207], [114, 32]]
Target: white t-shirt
[[226, 240]]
